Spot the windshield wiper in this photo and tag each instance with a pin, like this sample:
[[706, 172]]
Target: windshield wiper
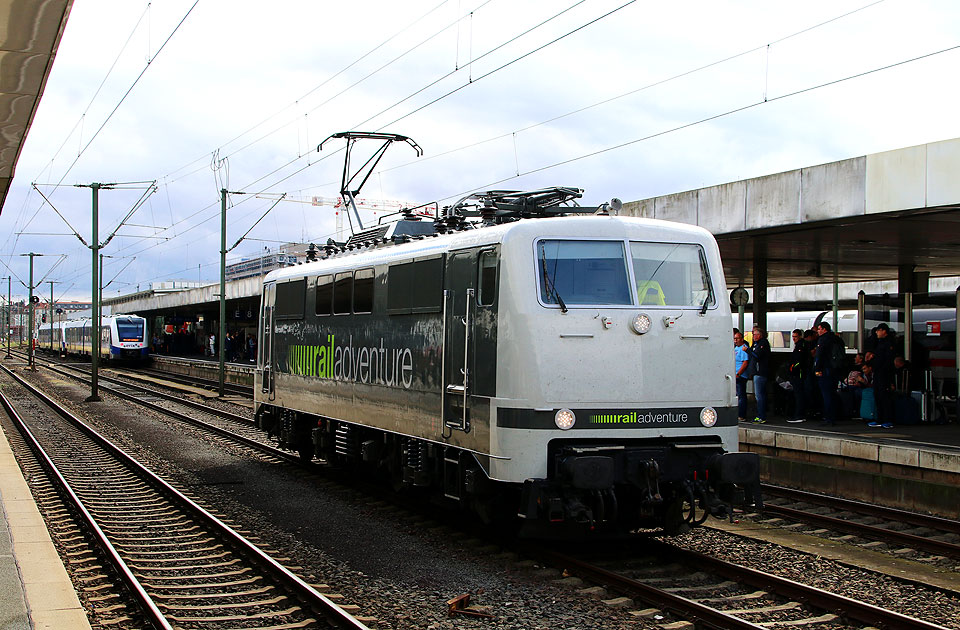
[[548, 284]]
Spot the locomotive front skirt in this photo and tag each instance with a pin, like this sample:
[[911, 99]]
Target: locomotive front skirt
[[576, 371]]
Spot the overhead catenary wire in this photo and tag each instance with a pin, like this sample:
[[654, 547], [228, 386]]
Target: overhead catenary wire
[[118, 104], [83, 115], [96, 93], [319, 86], [469, 83], [648, 86], [706, 119], [700, 121], [544, 167], [132, 85], [276, 170]]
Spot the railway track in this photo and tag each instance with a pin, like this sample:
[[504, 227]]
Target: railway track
[[938, 537], [211, 384], [182, 566], [685, 586], [735, 601], [234, 428], [205, 383]]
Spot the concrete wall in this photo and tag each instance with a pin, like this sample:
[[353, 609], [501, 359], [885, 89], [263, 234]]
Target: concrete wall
[[915, 177], [919, 478], [236, 289]]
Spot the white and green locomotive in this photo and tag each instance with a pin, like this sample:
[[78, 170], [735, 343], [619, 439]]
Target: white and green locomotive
[[575, 369]]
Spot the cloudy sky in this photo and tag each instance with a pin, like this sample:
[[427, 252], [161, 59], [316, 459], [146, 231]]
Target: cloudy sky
[[626, 99]]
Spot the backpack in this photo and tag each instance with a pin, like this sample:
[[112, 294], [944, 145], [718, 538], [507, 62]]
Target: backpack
[[838, 355]]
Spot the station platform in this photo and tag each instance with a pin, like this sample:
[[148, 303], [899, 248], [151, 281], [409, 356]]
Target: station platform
[[35, 590], [912, 467]]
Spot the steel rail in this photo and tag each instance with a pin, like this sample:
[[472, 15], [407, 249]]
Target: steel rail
[[842, 605], [234, 388], [250, 442], [152, 612], [845, 607], [237, 388], [333, 613], [867, 509], [688, 608], [870, 531], [165, 396]]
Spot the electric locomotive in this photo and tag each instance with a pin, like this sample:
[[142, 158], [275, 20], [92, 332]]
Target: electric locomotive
[[517, 355]]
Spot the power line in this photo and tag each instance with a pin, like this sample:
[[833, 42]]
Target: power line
[[119, 103], [637, 90], [707, 119], [320, 85], [471, 80], [440, 98], [526, 32], [713, 117]]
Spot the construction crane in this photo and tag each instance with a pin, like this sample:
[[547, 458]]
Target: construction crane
[[388, 206]]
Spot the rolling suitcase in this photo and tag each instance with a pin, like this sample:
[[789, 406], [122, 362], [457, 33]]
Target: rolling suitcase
[[906, 410], [868, 405]]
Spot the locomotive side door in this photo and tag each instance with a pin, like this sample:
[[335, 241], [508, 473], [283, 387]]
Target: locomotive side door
[[459, 280], [265, 362]]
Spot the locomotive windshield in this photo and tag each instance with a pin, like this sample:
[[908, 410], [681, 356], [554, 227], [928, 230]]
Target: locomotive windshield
[[583, 272], [596, 273], [130, 329], [671, 274]]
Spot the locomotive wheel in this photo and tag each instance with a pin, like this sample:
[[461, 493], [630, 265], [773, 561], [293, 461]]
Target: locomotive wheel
[[305, 451], [675, 517]]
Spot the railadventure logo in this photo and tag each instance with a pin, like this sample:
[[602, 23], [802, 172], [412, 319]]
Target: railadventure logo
[[640, 417], [374, 364]]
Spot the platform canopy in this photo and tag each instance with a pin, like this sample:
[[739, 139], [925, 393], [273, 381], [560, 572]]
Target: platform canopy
[[865, 218], [30, 33]]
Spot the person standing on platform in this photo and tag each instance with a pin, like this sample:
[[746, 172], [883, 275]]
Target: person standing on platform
[[883, 373], [799, 373], [212, 344], [811, 390], [741, 358], [761, 353], [827, 375]]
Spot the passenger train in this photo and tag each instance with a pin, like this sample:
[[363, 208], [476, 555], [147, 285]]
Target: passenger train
[[122, 337], [934, 335], [516, 356]]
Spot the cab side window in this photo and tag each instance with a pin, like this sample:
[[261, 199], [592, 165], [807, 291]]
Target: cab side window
[[487, 280], [324, 295]]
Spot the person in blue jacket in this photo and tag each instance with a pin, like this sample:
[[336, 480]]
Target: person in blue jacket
[[741, 359]]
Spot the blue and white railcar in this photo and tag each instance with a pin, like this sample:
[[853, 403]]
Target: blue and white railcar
[[121, 338], [574, 370]]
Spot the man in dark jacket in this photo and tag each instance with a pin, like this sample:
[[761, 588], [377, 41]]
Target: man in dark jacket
[[761, 353], [883, 373], [827, 376], [798, 371]]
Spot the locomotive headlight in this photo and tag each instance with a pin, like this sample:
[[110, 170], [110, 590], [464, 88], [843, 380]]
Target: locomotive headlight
[[565, 419], [641, 324], [708, 416]]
